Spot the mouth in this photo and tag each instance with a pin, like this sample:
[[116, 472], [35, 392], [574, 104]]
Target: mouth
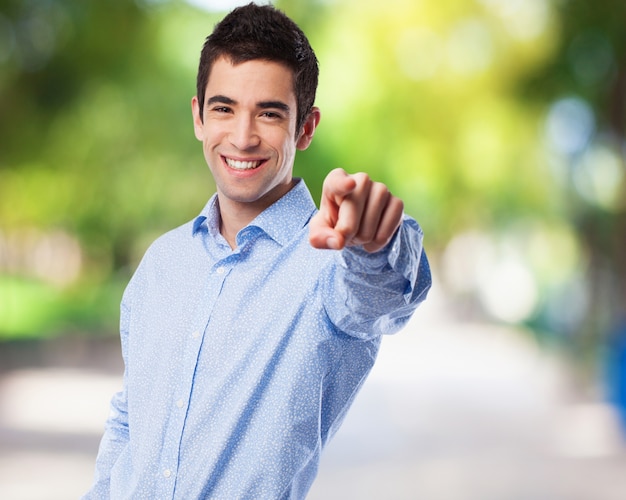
[[243, 164]]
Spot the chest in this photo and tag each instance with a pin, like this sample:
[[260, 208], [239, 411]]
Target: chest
[[243, 309]]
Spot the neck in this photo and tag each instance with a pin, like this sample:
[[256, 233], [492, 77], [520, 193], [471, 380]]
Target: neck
[[233, 221], [234, 216]]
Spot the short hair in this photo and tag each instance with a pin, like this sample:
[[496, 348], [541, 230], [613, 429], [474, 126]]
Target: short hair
[[262, 32]]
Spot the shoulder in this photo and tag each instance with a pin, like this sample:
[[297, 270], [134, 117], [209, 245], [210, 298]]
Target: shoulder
[[175, 245], [168, 255], [172, 240]]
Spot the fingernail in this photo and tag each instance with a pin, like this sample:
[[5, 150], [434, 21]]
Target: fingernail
[[333, 243]]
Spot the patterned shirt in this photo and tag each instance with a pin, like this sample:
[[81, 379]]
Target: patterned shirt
[[241, 364]]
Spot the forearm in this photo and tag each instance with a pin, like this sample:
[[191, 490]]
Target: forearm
[[376, 293]]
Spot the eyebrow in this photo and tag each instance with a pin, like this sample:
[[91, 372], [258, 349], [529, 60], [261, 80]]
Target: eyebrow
[[274, 105], [222, 99]]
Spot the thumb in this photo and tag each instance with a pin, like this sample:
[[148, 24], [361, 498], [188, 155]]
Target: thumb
[[323, 235]]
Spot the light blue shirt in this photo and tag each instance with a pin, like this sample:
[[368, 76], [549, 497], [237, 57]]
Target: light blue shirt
[[241, 364]]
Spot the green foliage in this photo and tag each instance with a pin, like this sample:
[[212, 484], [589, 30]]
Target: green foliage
[[96, 141], [99, 138], [30, 308]]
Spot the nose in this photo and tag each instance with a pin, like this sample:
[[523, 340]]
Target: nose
[[244, 133]]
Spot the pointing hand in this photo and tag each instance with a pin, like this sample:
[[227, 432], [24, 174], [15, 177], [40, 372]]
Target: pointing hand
[[355, 211]]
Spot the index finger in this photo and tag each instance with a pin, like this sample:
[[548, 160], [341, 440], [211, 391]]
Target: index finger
[[337, 185], [322, 234], [352, 206]]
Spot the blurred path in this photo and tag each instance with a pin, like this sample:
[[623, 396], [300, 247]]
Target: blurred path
[[450, 412], [473, 412], [53, 403]]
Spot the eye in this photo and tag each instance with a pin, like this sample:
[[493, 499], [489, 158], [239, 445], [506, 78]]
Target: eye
[[220, 109], [272, 115]]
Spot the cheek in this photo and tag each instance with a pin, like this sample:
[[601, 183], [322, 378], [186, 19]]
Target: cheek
[[210, 156], [285, 145], [289, 152], [209, 140], [206, 148]]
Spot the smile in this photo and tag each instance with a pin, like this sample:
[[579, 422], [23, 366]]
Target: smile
[[242, 165]]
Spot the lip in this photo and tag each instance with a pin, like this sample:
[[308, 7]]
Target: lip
[[246, 171]]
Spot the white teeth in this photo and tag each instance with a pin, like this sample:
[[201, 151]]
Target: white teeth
[[242, 165]]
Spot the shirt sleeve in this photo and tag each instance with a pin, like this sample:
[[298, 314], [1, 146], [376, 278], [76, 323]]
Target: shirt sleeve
[[370, 294], [116, 436]]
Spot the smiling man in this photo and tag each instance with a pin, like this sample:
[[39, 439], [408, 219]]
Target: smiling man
[[247, 332], [248, 131]]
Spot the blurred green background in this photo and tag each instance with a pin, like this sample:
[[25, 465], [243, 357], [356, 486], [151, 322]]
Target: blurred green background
[[501, 123]]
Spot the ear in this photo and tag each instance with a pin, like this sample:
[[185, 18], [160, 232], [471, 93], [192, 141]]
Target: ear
[[308, 129], [198, 126]]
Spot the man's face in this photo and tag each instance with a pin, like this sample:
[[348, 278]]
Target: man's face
[[248, 132]]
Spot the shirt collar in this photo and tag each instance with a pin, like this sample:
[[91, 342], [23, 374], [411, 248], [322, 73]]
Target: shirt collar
[[280, 221]]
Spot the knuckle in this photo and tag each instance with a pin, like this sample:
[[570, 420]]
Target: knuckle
[[380, 187], [361, 178], [337, 175], [396, 204], [381, 192]]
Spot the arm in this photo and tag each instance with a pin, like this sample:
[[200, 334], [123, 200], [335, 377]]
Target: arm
[[382, 274], [116, 435]]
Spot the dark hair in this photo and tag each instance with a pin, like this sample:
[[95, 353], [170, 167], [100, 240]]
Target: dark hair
[[262, 32]]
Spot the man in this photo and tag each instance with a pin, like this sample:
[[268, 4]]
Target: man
[[247, 332]]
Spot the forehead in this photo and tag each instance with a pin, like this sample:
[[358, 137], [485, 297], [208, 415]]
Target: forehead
[[253, 80]]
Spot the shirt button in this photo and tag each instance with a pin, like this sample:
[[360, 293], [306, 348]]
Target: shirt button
[[180, 403], [167, 473], [220, 270], [195, 334]]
